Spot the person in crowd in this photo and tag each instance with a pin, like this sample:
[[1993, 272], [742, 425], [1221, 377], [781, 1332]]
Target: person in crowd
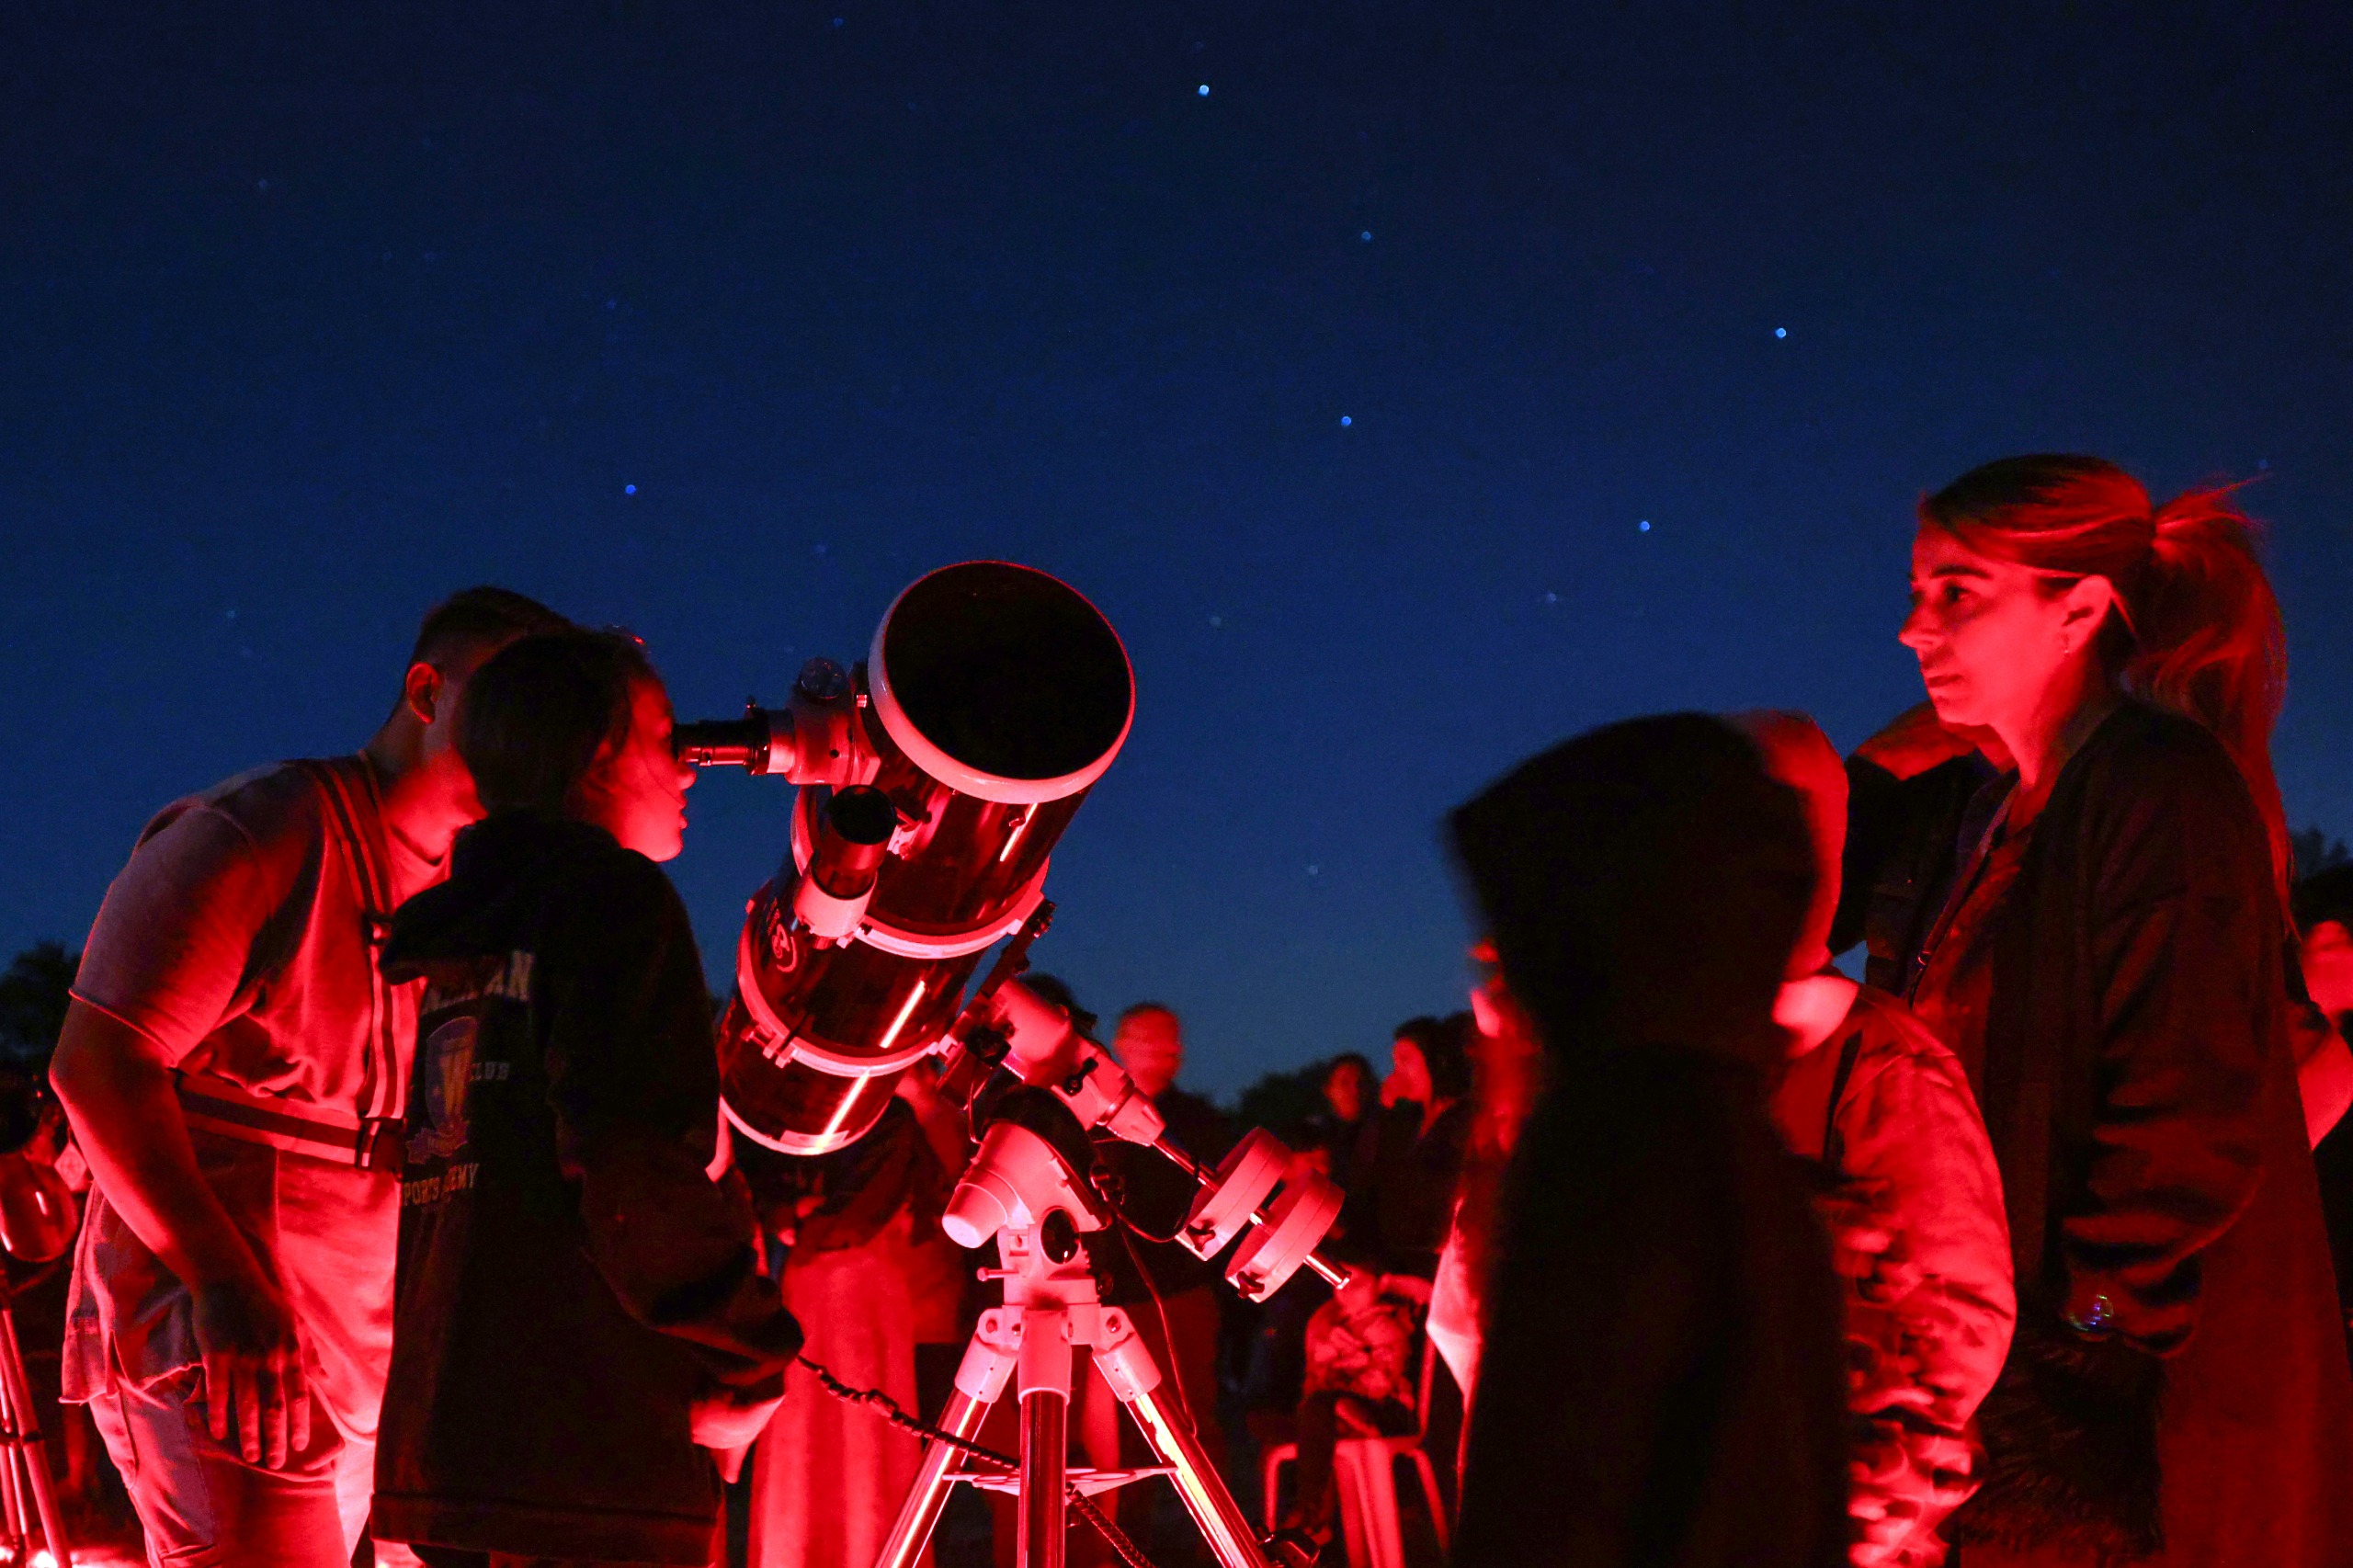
[[1507, 1080], [2108, 967], [236, 1069], [1149, 1043], [1908, 1191], [827, 1476], [1170, 1295], [1357, 1383], [1054, 989], [1274, 1360], [940, 1275], [1917, 794], [581, 1321], [1660, 1379], [1410, 1162], [2324, 909], [1350, 1091], [1415, 1148], [1910, 793], [1355, 1348]]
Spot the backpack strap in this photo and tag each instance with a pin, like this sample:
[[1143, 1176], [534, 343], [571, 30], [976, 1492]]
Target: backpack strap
[[373, 882], [367, 1133]]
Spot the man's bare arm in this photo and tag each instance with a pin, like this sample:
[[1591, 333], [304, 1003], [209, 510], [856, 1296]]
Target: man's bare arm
[[126, 1116], [119, 1094]]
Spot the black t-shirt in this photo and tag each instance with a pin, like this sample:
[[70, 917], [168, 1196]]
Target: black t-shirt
[[570, 1280], [1401, 1201], [1158, 1198]]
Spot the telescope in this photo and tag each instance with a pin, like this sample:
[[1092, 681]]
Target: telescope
[[935, 779], [1037, 1187], [38, 1219]]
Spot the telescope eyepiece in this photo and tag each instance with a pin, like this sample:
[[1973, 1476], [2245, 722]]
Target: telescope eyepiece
[[750, 743]]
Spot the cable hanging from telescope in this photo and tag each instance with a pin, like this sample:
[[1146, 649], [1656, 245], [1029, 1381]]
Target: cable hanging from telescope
[[1160, 1310], [1112, 1188], [1117, 1538]]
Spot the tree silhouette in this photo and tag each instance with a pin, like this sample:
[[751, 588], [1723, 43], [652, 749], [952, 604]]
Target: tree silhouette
[[2315, 851], [1281, 1101], [33, 994]]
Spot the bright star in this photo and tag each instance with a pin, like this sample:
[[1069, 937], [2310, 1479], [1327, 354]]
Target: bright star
[[1780, 332], [628, 489], [1646, 525], [1345, 422], [1203, 89]]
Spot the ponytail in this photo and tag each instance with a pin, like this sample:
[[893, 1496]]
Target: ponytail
[[2209, 644], [2197, 630]]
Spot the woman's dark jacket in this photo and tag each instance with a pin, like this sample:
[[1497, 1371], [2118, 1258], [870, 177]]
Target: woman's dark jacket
[[571, 1283], [2139, 1092], [1906, 839], [1402, 1196]]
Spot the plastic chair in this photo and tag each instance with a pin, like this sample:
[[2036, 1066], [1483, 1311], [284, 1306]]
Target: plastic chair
[[1365, 1471]]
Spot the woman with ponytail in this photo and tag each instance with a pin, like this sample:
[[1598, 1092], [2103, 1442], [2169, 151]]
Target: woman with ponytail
[[2108, 967]]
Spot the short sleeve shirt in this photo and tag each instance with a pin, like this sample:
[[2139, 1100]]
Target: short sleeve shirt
[[241, 940], [237, 940]]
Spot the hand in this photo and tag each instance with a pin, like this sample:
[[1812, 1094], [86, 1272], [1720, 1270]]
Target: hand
[[1406, 1287], [1917, 740], [253, 1370]]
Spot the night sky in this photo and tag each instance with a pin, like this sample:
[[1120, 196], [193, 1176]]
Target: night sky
[[1412, 385]]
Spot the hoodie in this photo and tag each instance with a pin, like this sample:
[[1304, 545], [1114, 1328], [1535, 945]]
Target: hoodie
[[571, 1285], [1660, 1379]]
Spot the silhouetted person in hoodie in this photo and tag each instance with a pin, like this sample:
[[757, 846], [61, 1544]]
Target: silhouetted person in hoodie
[[579, 1323], [1660, 1380]]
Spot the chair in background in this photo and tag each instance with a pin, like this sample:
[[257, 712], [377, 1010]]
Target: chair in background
[[1365, 1471]]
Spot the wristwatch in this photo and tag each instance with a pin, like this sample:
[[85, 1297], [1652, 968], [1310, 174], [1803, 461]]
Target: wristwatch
[[2097, 1319]]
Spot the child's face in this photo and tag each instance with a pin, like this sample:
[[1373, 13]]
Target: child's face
[[637, 791]]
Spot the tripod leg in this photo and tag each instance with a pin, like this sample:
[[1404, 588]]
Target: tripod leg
[[15, 1529], [29, 1446], [1045, 1433], [1043, 1540], [979, 1378], [1128, 1367]]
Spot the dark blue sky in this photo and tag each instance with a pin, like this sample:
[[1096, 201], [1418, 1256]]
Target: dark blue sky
[[1344, 389]]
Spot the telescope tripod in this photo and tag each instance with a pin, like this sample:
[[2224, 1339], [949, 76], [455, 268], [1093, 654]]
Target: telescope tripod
[[1051, 1313], [28, 1496]]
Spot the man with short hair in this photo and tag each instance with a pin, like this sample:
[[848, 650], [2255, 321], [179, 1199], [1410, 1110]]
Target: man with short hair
[[1149, 1043], [235, 1070]]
